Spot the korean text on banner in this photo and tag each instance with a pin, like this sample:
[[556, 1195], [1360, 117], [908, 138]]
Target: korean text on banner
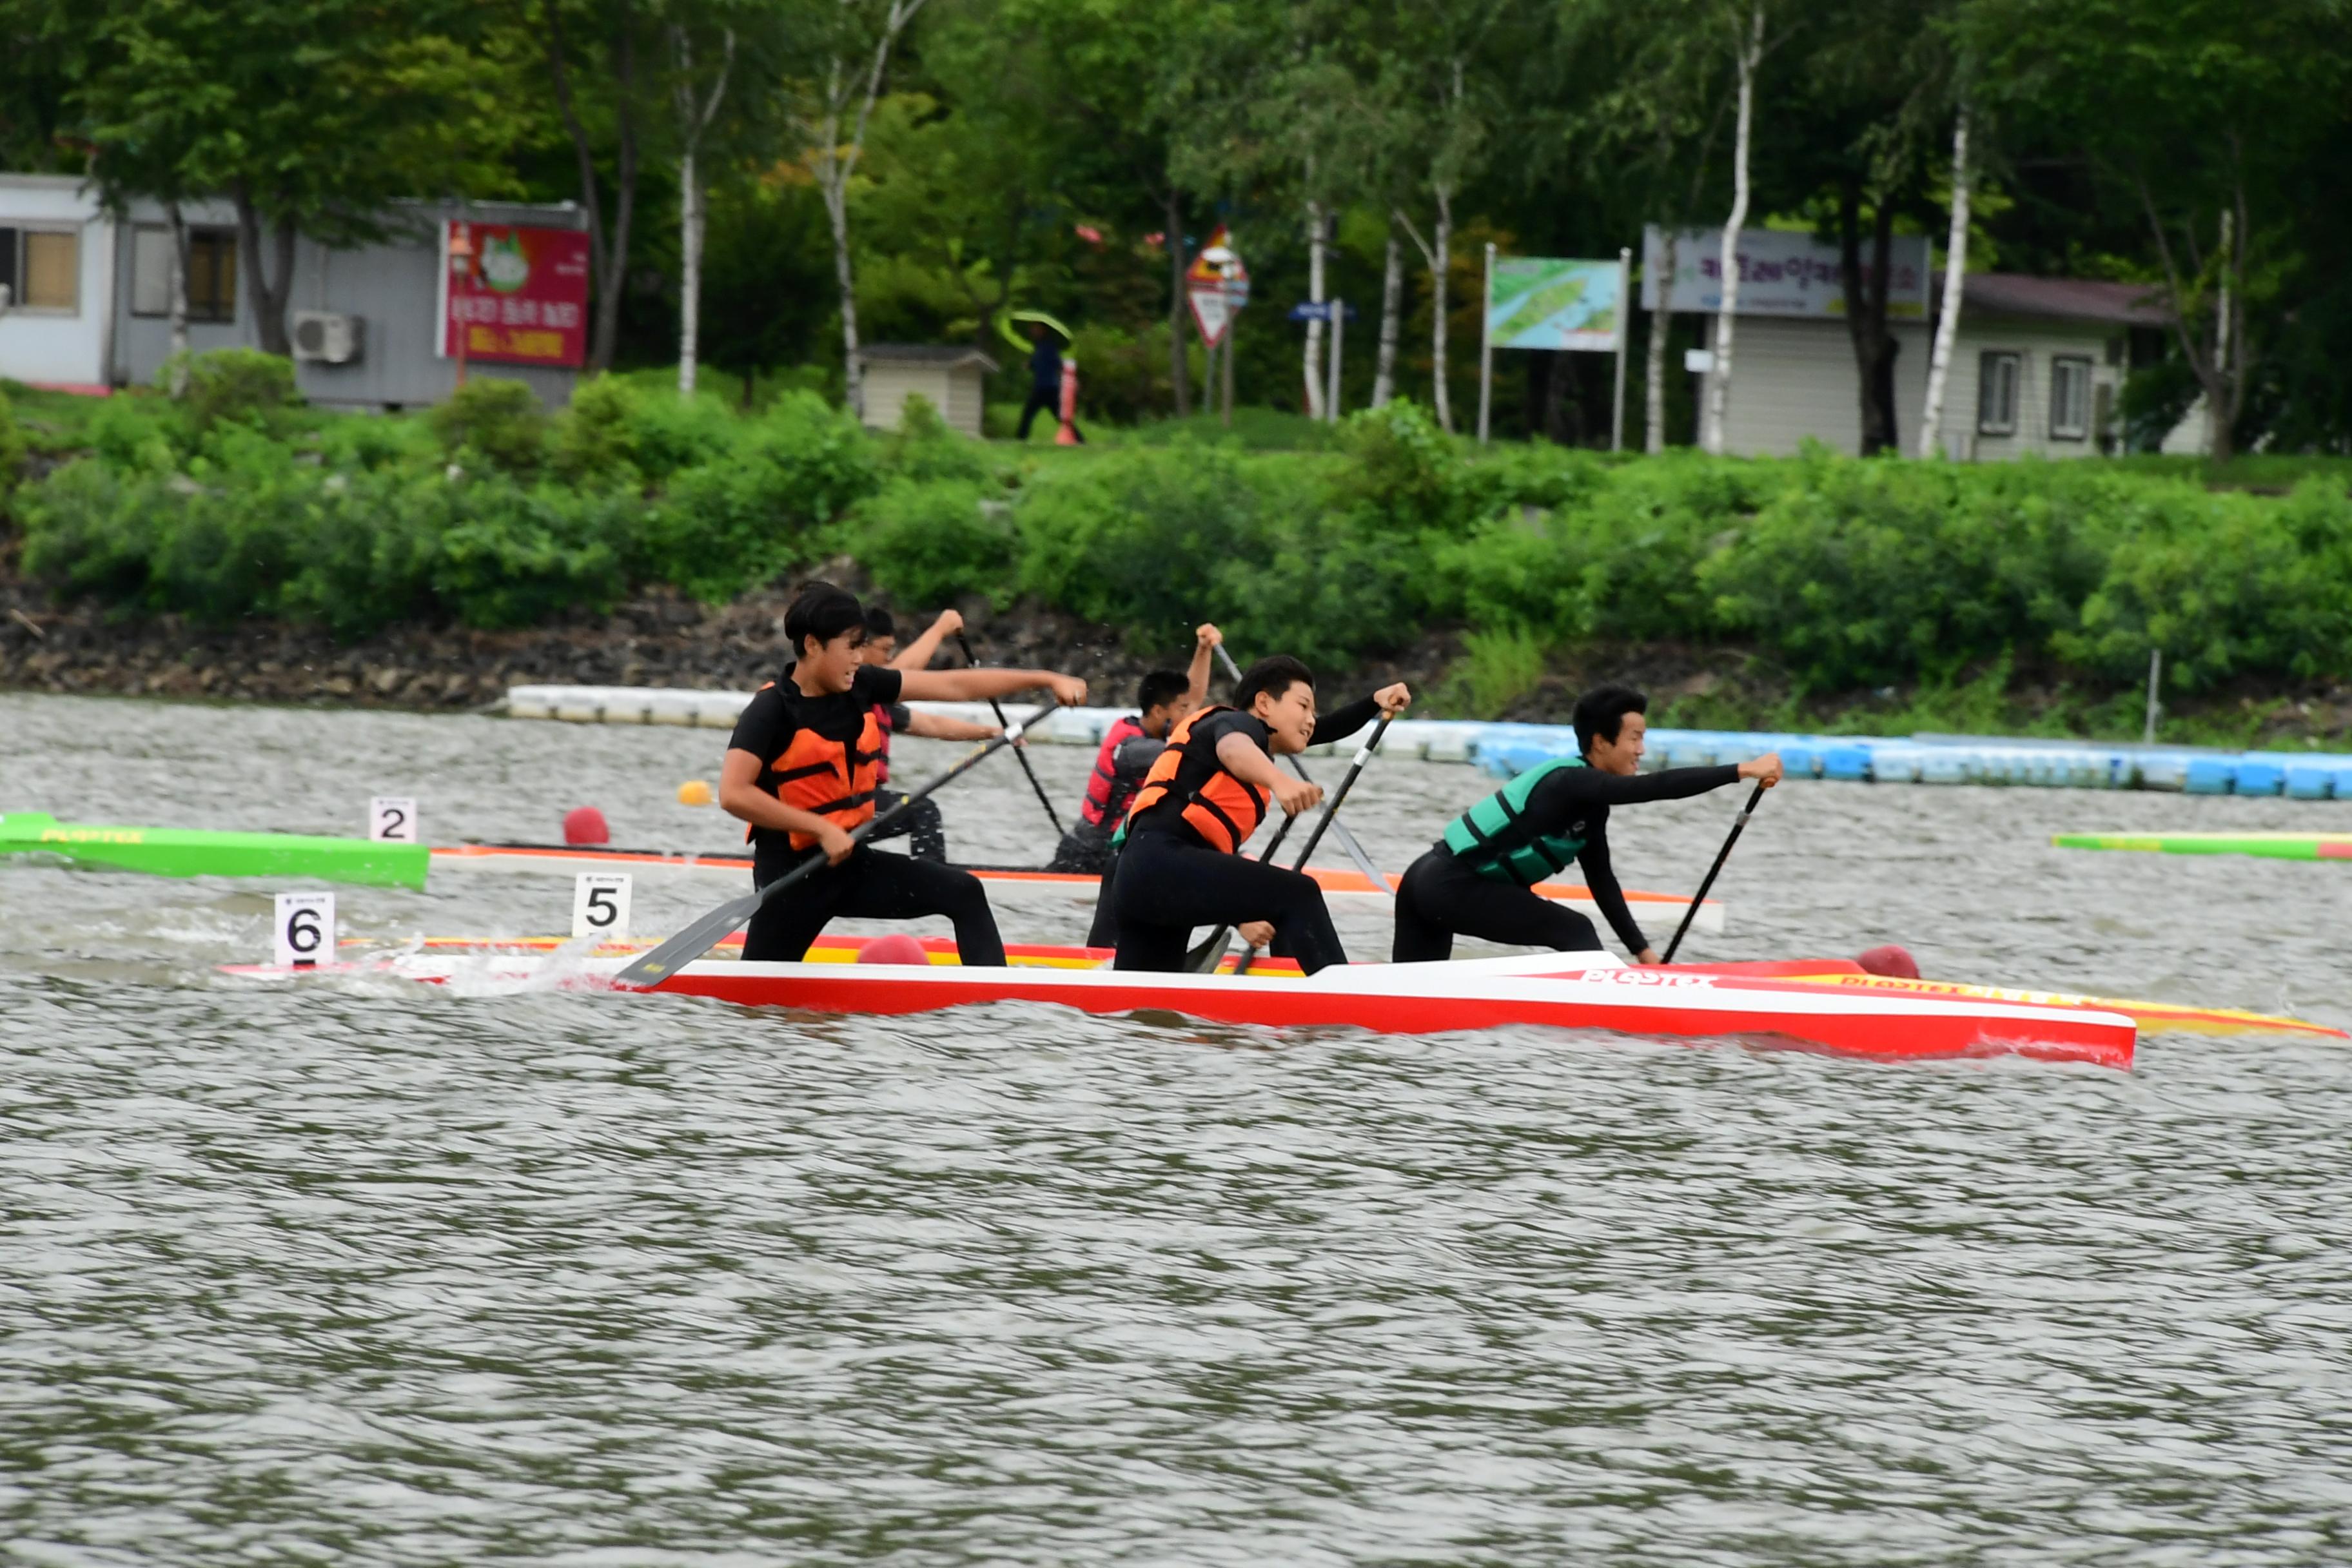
[[524, 301], [1543, 302], [1780, 273]]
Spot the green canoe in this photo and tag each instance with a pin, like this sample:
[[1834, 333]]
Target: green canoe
[[2270, 846], [192, 852]]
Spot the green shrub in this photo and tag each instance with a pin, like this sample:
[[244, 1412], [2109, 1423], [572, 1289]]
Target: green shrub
[[925, 447], [511, 557], [932, 543], [1402, 472], [594, 440], [741, 518], [497, 419], [139, 435], [12, 449], [243, 386]]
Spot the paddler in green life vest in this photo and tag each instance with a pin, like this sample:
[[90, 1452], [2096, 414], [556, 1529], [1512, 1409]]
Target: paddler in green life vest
[[1479, 879]]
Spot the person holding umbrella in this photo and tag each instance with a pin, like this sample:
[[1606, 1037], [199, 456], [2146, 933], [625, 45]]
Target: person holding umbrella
[[1044, 375]]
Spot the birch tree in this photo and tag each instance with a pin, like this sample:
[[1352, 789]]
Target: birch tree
[[858, 64], [1747, 51], [1392, 313], [1956, 274], [696, 112]]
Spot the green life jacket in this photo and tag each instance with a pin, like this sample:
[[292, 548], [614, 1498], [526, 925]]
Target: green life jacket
[[1493, 839]]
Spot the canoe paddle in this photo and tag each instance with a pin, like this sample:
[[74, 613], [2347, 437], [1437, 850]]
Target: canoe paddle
[[1204, 959], [1691, 913], [1363, 754], [964, 643], [1346, 839], [708, 931]]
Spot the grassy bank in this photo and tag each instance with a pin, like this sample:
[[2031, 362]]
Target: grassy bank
[[1974, 597]]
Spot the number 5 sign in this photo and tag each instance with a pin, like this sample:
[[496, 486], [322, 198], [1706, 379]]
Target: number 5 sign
[[600, 906], [305, 931]]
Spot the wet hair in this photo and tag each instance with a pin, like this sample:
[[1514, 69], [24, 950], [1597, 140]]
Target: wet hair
[[1274, 675], [823, 612], [879, 623], [1159, 688], [1601, 714]]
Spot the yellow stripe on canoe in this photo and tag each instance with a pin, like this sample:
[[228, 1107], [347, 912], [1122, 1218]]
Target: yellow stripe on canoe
[[2158, 1017]]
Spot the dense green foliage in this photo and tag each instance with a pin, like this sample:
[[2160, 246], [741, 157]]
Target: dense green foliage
[[1847, 573]]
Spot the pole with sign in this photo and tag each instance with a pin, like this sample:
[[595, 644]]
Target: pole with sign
[[1617, 406], [1486, 346], [1216, 287], [1539, 302]]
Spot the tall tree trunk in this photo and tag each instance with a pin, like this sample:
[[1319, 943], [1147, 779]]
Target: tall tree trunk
[[1311, 368], [2220, 384], [2221, 409], [1750, 48], [1441, 266], [1956, 273], [836, 162], [1865, 315], [1232, 331], [1391, 315], [1654, 371], [178, 382], [608, 249], [267, 296], [693, 212], [1179, 367]]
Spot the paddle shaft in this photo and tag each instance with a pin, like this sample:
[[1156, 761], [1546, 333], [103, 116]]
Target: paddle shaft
[[1053, 816], [709, 929], [1204, 959], [1739, 823], [1363, 754], [1346, 839]]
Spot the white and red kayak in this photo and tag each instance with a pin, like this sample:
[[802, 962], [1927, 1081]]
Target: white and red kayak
[[1749, 1003], [559, 859]]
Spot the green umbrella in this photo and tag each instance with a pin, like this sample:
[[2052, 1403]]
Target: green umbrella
[[1005, 325]]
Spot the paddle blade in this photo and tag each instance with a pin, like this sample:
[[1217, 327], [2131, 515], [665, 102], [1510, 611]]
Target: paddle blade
[[1204, 959], [689, 945]]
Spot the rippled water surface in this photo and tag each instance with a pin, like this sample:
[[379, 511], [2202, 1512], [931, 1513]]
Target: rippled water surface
[[368, 1273]]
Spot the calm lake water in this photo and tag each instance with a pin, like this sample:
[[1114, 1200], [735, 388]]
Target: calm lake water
[[368, 1273]]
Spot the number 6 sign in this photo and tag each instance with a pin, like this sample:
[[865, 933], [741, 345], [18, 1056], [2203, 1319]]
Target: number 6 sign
[[600, 906], [305, 933]]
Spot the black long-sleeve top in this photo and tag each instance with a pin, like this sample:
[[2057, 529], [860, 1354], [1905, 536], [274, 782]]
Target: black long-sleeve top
[[1574, 803]]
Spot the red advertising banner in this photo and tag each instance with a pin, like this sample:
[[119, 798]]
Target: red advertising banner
[[520, 297]]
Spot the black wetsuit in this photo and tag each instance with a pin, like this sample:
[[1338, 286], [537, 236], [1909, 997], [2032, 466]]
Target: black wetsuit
[[1441, 897], [1168, 878]]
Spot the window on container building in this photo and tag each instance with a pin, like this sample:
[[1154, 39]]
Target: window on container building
[[42, 269], [1997, 376], [2070, 397], [212, 273]]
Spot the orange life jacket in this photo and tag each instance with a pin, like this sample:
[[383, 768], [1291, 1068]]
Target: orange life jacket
[[1217, 806], [832, 779]]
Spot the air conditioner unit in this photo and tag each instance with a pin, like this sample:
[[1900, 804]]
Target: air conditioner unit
[[328, 337]]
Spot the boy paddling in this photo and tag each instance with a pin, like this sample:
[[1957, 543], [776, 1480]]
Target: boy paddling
[[1479, 879], [926, 833], [1182, 865], [800, 770], [1164, 699]]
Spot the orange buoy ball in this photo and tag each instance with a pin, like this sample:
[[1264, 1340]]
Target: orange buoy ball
[[586, 824], [1893, 961], [896, 948], [694, 792]]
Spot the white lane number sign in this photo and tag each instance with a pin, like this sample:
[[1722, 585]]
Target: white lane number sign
[[305, 929], [600, 905], [392, 820]]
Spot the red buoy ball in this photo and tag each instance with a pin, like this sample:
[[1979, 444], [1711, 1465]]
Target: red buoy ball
[[586, 824], [1894, 962], [896, 948]]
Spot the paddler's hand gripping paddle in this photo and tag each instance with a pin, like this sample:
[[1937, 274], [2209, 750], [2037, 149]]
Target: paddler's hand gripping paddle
[[713, 927], [1691, 913], [1346, 839], [1214, 948], [1052, 815]]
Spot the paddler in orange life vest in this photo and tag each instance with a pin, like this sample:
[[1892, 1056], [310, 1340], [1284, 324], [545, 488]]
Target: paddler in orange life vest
[[1165, 699], [1183, 865], [925, 834], [800, 771], [1480, 879]]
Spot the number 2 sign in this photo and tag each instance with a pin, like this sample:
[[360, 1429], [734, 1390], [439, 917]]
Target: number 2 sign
[[392, 820]]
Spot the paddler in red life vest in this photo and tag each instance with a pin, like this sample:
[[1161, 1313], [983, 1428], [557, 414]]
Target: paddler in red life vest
[[1479, 879], [1183, 865], [800, 771], [927, 838], [1165, 699]]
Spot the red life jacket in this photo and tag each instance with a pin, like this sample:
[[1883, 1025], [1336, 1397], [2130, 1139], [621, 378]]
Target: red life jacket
[[1108, 794], [882, 753]]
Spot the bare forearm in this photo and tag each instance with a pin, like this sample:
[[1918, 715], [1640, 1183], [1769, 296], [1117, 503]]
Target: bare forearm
[[1198, 673], [918, 654], [971, 684], [939, 727]]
